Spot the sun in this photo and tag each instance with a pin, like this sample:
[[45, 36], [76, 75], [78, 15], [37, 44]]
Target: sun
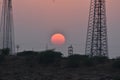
[[58, 39]]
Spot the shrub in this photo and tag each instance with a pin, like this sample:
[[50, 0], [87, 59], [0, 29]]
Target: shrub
[[89, 62], [29, 56], [49, 56], [76, 60], [99, 59], [5, 51], [27, 53], [2, 58], [116, 63]]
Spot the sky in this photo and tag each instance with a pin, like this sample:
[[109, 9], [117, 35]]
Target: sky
[[36, 20]]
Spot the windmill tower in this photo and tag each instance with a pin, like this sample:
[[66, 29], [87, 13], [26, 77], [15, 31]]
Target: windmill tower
[[96, 43], [6, 27]]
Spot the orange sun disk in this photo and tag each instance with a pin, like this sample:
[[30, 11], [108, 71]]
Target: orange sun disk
[[58, 39]]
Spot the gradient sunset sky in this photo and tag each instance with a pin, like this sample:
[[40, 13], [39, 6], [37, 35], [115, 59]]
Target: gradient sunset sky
[[36, 20]]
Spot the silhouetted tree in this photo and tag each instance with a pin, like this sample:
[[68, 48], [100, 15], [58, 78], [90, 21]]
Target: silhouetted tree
[[29, 56], [2, 57], [99, 59], [77, 60], [49, 56], [116, 63], [89, 62], [5, 51], [27, 53]]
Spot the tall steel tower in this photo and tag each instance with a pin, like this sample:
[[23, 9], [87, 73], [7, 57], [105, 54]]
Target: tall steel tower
[[96, 43], [7, 29]]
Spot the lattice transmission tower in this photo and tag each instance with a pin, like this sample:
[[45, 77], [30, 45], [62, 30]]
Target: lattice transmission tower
[[96, 43], [6, 27]]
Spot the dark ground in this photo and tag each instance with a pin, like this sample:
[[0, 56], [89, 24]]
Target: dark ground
[[18, 68]]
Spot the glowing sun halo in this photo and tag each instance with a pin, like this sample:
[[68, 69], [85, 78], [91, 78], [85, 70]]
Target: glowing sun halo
[[58, 39]]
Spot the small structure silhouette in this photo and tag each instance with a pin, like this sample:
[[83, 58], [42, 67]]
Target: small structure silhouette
[[17, 47], [70, 50]]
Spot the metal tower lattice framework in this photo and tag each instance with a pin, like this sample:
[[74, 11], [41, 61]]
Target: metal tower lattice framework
[[96, 43], [70, 50], [7, 29]]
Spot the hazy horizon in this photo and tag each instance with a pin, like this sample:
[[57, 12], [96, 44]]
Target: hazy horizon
[[36, 20]]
